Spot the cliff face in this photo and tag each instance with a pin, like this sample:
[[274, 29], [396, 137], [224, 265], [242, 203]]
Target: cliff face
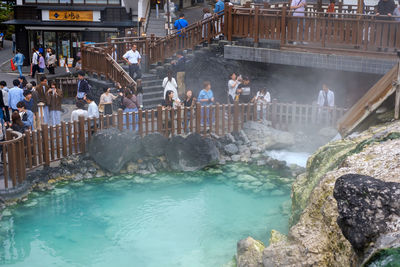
[[315, 238]]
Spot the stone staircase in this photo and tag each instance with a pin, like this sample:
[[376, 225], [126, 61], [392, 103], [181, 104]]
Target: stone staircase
[[152, 90], [156, 25]]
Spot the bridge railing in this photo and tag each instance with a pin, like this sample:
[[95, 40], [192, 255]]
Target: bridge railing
[[351, 32], [42, 146]]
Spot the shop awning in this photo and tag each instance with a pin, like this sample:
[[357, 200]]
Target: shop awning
[[74, 24]]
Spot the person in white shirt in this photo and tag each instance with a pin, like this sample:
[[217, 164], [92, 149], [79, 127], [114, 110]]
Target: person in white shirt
[[35, 61], [133, 58], [298, 8], [232, 86], [93, 110], [326, 97], [262, 99], [169, 84], [80, 104]]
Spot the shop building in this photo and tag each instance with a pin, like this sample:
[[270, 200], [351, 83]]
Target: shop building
[[64, 24]]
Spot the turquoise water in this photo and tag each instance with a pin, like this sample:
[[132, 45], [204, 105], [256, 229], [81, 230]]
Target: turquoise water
[[385, 258], [192, 219]]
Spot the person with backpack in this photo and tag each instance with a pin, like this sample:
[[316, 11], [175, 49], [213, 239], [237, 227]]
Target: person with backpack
[[35, 61], [83, 86], [180, 24]]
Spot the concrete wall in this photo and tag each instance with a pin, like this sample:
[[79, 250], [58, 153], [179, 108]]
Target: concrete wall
[[314, 60]]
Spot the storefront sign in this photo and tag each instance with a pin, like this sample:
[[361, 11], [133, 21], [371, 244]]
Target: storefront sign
[[71, 15]]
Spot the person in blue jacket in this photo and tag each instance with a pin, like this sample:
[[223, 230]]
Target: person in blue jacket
[[180, 24], [19, 61], [219, 6]]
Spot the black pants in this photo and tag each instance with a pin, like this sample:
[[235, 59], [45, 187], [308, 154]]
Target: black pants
[[7, 114], [35, 68], [134, 68], [51, 69]]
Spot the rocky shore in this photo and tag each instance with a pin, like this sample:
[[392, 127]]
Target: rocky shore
[[346, 224]]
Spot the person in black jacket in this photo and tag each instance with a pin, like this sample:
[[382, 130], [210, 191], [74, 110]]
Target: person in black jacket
[[385, 8], [83, 86]]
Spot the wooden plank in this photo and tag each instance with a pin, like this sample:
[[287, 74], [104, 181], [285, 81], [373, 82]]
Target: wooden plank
[[5, 164], [367, 104], [34, 148], [58, 147], [179, 120], [45, 139], [52, 147], [217, 118], [75, 137], [28, 148], [223, 119], [64, 139]]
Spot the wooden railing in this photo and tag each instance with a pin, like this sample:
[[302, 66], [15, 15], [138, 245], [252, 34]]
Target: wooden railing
[[36, 148], [370, 101], [352, 32], [13, 157]]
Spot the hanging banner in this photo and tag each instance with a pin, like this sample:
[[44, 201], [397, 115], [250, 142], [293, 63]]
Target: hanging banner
[[71, 15]]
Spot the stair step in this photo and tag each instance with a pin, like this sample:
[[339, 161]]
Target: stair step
[[150, 95], [151, 83], [153, 89]]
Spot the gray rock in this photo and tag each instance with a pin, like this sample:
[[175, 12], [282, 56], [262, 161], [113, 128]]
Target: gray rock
[[235, 158], [112, 148], [231, 149], [249, 253], [154, 144], [269, 137], [368, 208], [328, 132], [191, 153], [244, 137]]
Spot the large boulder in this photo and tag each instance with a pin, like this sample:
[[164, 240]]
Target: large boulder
[[154, 144], [249, 253], [111, 149], [368, 208], [191, 153], [231, 149], [268, 137]]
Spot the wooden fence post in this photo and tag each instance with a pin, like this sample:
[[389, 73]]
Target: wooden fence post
[[230, 24], [82, 138], [198, 117], [120, 119], [255, 25], [274, 112], [140, 121], [45, 138], [217, 107], [159, 119], [283, 26], [236, 116]]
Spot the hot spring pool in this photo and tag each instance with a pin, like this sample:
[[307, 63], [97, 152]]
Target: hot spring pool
[[192, 219]]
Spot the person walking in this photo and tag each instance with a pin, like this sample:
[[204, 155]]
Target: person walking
[[42, 63], [19, 61], [15, 95], [14, 42], [298, 8], [133, 58], [4, 91], [169, 84], [35, 61], [106, 102], [206, 14], [51, 61], [53, 98], [180, 68], [180, 24], [83, 86], [219, 8]]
